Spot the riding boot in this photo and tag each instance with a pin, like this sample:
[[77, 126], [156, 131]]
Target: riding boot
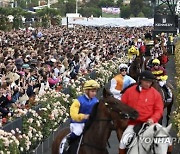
[[122, 151]]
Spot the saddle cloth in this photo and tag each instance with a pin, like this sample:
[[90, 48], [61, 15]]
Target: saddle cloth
[[167, 97], [74, 146]]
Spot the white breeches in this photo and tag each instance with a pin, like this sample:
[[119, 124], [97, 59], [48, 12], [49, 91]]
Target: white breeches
[[77, 128], [162, 83], [127, 135]]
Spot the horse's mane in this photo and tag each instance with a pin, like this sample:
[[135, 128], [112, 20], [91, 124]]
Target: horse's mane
[[123, 91], [91, 117]]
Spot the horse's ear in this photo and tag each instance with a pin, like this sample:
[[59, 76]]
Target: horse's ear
[[104, 92], [155, 128], [168, 128]]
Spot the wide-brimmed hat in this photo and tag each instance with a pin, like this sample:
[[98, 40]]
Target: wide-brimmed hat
[[11, 77]]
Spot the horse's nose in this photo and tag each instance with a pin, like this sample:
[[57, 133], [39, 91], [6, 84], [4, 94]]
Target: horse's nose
[[134, 115]]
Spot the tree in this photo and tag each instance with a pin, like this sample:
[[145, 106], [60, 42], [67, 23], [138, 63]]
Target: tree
[[88, 11], [119, 3], [136, 7], [147, 11], [105, 3], [141, 14], [71, 6], [17, 13], [32, 3], [125, 11], [22, 3], [3, 18], [47, 14]]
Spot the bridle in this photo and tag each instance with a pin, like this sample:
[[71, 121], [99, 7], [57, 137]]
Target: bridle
[[153, 144], [152, 147], [110, 110]]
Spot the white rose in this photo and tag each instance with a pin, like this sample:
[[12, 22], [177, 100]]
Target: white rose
[[13, 132], [38, 123], [30, 134], [6, 143], [1, 152], [22, 149]]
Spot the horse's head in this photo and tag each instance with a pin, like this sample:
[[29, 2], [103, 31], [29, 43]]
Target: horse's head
[[138, 63], [156, 139], [136, 67], [117, 109]]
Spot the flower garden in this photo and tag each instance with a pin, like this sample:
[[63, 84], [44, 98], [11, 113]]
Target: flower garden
[[52, 111], [176, 118]]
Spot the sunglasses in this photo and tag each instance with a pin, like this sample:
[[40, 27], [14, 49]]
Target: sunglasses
[[123, 70], [156, 64]]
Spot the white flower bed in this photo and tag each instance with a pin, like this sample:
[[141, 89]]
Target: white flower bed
[[38, 125]]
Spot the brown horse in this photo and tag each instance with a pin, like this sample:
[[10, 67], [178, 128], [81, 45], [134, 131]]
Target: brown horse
[[136, 67], [95, 138], [167, 105]]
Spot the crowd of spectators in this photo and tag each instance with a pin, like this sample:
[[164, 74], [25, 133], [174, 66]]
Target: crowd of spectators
[[33, 61]]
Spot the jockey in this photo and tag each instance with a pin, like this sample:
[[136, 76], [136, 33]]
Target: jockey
[[81, 109], [161, 76], [121, 81], [132, 53], [140, 45], [146, 100], [156, 51]]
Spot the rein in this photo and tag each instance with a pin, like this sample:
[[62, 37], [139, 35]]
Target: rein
[[104, 120], [152, 146]]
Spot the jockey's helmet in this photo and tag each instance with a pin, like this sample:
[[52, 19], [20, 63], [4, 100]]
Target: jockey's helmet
[[123, 66], [156, 61], [146, 75], [91, 84], [132, 49]]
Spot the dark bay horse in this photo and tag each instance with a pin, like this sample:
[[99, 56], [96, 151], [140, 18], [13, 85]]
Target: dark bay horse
[[95, 138], [136, 67], [167, 105]]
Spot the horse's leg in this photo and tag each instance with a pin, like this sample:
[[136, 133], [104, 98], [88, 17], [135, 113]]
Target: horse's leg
[[169, 107]]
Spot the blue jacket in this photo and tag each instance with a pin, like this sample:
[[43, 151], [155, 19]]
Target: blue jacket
[[81, 106]]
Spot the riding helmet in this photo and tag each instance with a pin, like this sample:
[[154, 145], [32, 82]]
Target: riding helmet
[[91, 84], [146, 75], [156, 61], [123, 66]]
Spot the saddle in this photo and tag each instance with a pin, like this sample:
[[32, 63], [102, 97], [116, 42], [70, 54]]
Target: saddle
[[138, 129], [167, 94]]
